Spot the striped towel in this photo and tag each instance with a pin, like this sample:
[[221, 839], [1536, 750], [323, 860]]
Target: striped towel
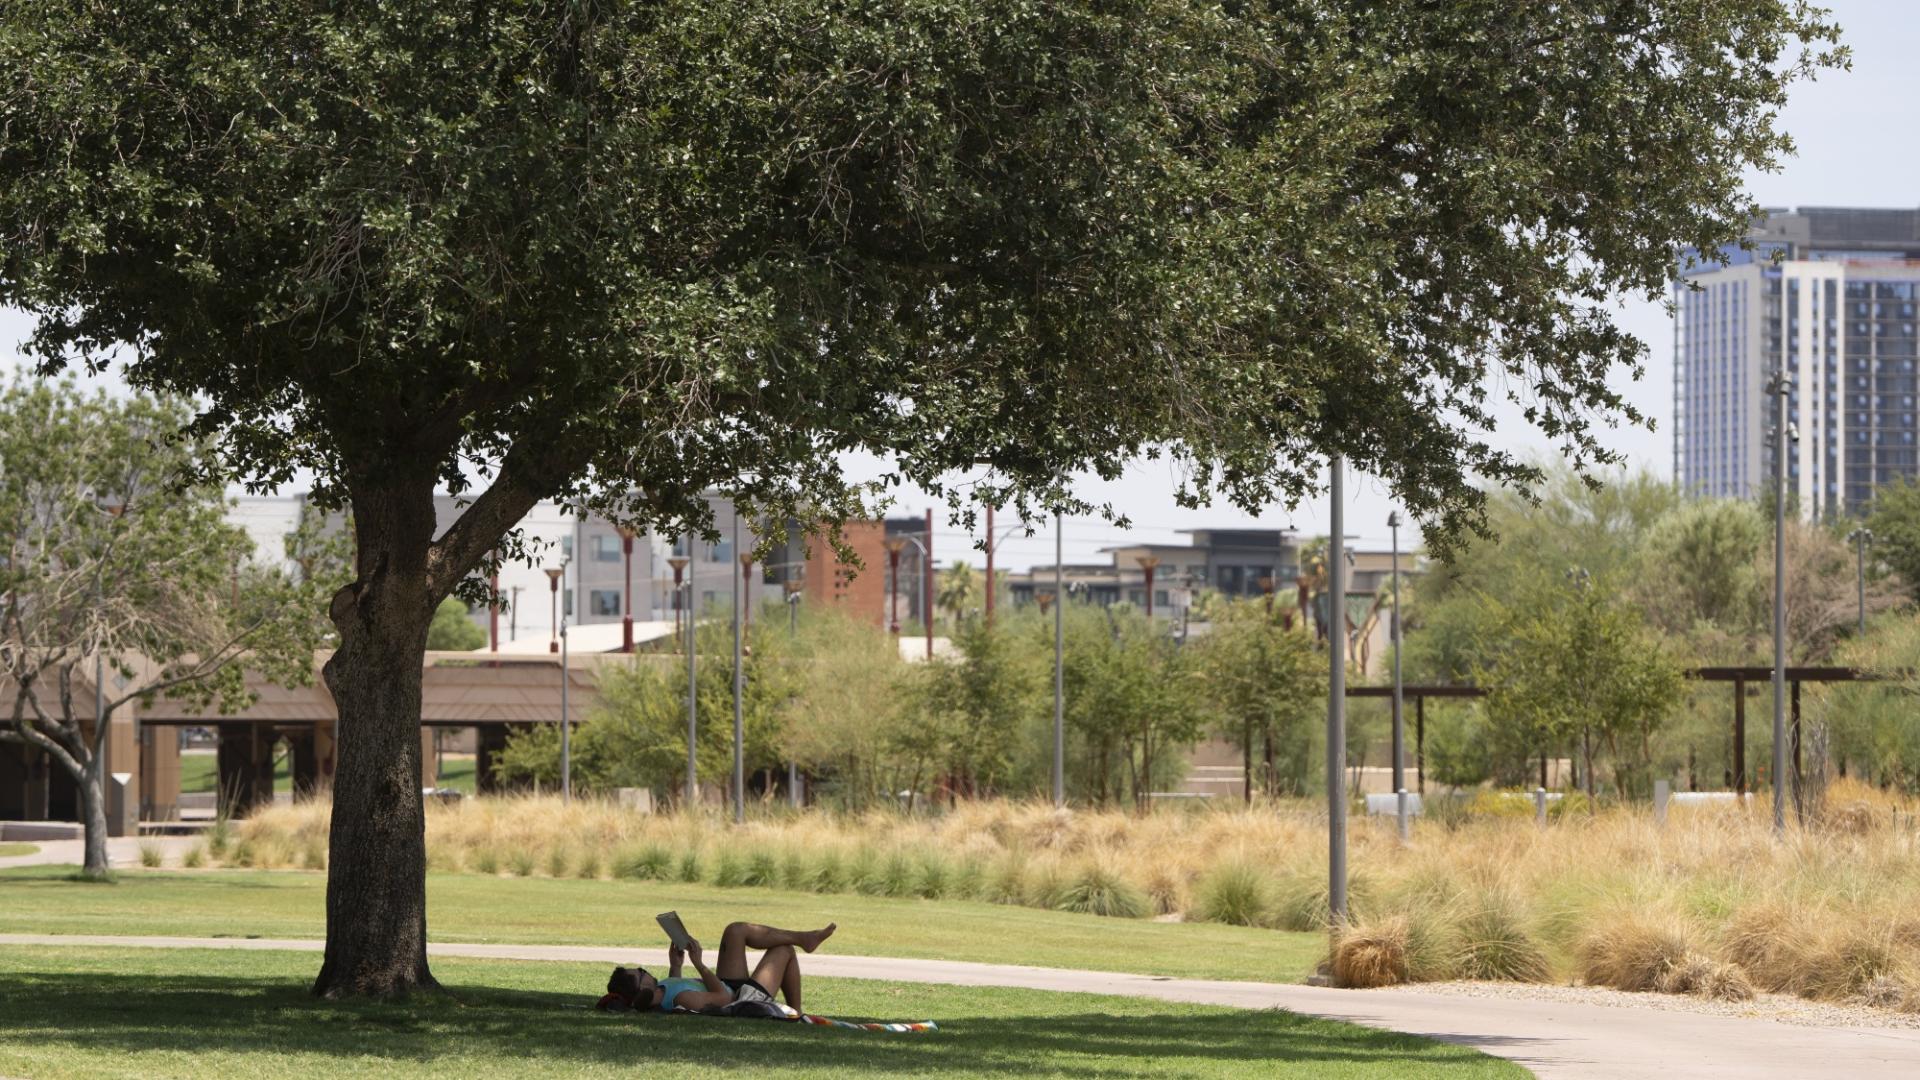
[[827, 1021]]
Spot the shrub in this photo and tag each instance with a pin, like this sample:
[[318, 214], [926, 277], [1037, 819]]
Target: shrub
[[1632, 952], [1492, 942], [314, 857], [588, 867], [646, 862], [935, 876], [559, 859], [1099, 889], [150, 856], [195, 858], [690, 866], [762, 868], [1235, 892], [1367, 955], [520, 862], [729, 869], [829, 872], [486, 861]]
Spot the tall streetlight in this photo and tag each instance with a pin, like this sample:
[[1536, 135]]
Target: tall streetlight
[[1399, 727], [1059, 668], [1861, 537], [894, 546], [746, 586], [1148, 564], [553, 614], [739, 685], [679, 564], [993, 545], [1779, 387], [693, 685], [792, 588], [626, 601], [566, 717], [1336, 701]]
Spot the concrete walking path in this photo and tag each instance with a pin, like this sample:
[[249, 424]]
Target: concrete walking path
[[122, 851], [1554, 1039]]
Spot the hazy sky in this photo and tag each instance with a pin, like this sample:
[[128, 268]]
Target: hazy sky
[[1854, 149]]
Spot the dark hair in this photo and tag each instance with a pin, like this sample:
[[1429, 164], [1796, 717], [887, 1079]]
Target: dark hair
[[625, 982]]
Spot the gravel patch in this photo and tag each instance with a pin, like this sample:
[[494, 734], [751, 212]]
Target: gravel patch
[[1784, 1008]]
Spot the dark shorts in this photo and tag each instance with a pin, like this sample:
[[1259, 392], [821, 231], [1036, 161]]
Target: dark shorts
[[747, 990]]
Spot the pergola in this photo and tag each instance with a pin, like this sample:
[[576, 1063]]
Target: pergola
[[1418, 693]]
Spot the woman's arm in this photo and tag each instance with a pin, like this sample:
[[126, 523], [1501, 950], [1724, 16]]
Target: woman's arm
[[675, 961], [707, 977]]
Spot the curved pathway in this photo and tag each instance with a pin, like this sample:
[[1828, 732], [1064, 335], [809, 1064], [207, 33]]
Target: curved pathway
[[1554, 1039]]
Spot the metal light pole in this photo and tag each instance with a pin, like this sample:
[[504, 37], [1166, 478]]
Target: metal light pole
[[693, 685], [1399, 725], [1861, 537], [1059, 670], [927, 590], [679, 564], [1779, 388], [1336, 702], [566, 718], [1148, 564], [990, 546], [626, 600], [792, 588], [553, 613], [739, 720], [894, 547]]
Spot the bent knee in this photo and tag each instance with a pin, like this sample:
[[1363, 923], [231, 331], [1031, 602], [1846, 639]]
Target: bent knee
[[736, 931]]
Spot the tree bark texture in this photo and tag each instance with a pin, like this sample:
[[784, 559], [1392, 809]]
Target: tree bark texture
[[93, 807], [376, 871]]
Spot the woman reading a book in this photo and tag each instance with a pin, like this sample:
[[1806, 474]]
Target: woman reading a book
[[729, 981]]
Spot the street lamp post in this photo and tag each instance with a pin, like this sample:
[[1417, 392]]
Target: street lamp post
[[793, 588], [679, 564], [1399, 726], [1059, 670], [739, 685], [553, 614], [894, 546], [626, 601], [1779, 388], [1861, 537], [1336, 701], [566, 720], [1148, 564], [693, 685], [746, 585]]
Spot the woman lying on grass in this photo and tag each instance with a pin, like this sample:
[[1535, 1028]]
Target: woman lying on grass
[[777, 972]]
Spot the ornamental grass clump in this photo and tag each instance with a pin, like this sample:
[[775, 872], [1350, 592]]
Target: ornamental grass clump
[[1235, 892], [1095, 887]]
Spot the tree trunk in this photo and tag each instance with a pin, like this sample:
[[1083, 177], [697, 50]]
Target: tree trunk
[[93, 811], [376, 870]]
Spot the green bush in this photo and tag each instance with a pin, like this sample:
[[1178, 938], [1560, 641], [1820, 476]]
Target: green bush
[[1096, 889], [690, 866], [646, 862], [763, 868], [729, 869], [486, 861], [1235, 892]]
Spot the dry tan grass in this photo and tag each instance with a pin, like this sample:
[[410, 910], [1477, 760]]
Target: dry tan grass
[[1826, 912], [1371, 954]]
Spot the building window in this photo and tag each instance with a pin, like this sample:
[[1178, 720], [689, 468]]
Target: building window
[[720, 552], [566, 604], [604, 601], [566, 547], [606, 547]]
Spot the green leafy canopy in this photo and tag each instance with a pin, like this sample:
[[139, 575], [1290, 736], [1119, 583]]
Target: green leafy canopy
[[589, 249]]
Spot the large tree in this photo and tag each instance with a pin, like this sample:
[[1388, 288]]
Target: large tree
[[120, 583], [625, 253]]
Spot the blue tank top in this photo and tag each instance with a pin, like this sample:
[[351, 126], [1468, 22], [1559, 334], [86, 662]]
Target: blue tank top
[[672, 988]]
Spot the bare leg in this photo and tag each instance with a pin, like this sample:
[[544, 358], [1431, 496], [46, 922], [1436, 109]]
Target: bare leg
[[779, 973], [741, 936]]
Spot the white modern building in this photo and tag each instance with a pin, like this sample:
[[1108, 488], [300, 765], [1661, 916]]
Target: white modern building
[[1829, 296]]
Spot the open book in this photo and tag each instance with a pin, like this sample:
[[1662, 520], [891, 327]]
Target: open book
[[676, 930]]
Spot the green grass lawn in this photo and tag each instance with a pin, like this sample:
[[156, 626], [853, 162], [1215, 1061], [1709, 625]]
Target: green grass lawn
[[470, 907], [200, 772], [10, 850], [196, 1013]]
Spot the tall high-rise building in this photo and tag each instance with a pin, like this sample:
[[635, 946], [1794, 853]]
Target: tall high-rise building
[[1827, 295]]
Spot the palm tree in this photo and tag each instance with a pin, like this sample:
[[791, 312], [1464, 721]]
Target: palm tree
[[958, 589]]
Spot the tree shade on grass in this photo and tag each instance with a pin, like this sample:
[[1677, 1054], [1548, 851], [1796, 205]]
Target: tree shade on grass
[[547, 911], [196, 1013]]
